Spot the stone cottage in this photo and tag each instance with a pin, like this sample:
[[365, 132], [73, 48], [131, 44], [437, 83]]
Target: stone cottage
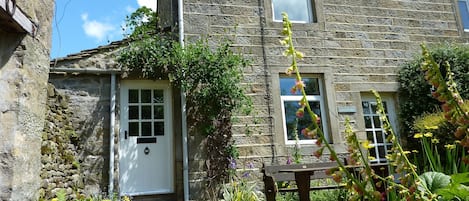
[[25, 41], [350, 47]]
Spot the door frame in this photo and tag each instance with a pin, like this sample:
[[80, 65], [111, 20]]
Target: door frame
[[168, 98]]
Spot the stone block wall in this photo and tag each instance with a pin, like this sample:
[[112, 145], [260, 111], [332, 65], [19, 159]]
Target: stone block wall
[[59, 150], [355, 45], [88, 104], [24, 68]]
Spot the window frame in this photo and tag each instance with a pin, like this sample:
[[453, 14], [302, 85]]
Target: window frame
[[310, 98], [390, 102], [464, 29], [311, 9]]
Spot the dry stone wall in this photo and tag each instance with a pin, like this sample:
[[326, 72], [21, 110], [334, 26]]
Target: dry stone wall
[[60, 156]]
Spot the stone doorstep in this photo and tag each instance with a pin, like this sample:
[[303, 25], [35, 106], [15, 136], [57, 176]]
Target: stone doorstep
[[159, 197]]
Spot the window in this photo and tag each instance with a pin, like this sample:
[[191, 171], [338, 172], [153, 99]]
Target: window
[[374, 127], [297, 10], [290, 104], [464, 14]]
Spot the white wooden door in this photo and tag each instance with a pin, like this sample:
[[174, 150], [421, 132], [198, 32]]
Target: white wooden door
[[146, 157]]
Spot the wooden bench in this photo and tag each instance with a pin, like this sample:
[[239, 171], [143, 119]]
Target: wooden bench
[[302, 174]]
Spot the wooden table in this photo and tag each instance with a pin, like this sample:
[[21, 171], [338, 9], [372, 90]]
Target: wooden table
[[302, 179]]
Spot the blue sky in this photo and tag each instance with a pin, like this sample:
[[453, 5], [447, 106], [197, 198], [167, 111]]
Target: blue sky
[[86, 24]]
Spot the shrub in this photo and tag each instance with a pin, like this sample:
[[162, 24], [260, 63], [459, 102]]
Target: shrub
[[414, 91]]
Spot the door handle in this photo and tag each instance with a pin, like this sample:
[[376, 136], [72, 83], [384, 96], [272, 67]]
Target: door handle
[[125, 135]]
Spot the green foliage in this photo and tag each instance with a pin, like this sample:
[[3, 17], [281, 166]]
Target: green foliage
[[434, 181], [61, 195], [458, 189], [414, 91], [240, 191]]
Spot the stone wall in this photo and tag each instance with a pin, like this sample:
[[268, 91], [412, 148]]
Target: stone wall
[[61, 169], [355, 45], [24, 67], [88, 104]]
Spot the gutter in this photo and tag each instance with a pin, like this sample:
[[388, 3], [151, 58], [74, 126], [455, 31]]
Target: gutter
[[112, 133], [185, 156], [97, 71]]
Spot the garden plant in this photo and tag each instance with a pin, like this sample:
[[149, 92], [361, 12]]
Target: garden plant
[[404, 182]]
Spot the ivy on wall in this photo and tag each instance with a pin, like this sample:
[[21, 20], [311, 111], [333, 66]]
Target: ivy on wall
[[209, 76]]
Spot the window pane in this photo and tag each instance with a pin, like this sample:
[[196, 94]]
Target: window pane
[[368, 122], [133, 112], [133, 96], [159, 128], [381, 152], [311, 86], [159, 112], [146, 96], [133, 129], [379, 137], [290, 108], [366, 107], [369, 136], [376, 122], [297, 10], [146, 112], [463, 11], [146, 128], [158, 96]]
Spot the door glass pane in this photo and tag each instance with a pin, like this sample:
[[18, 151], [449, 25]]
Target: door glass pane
[[133, 128], [159, 128], [159, 112], [373, 107], [146, 112], [133, 112], [158, 96], [146, 128], [146, 96], [133, 96]]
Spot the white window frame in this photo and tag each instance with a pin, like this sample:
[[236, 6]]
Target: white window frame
[[392, 117], [310, 98], [310, 10], [465, 29]]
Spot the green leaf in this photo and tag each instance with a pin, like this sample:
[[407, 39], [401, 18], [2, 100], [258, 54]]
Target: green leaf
[[434, 181], [461, 178]]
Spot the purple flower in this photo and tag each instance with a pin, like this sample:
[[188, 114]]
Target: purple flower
[[232, 164], [289, 161], [250, 165], [246, 174]]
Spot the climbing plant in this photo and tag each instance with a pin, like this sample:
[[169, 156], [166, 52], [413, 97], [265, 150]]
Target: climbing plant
[[209, 76]]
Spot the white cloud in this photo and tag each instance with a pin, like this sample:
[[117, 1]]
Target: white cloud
[[95, 29], [148, 3]]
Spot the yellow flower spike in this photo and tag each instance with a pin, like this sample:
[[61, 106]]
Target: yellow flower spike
[[418, 135], [435, 141], [450, 146], [415, 151], [371, 158], [428, 134], [431, 127], [366, 144], [406, 152]]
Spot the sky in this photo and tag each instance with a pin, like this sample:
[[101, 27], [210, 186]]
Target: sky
[[86, 24]]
